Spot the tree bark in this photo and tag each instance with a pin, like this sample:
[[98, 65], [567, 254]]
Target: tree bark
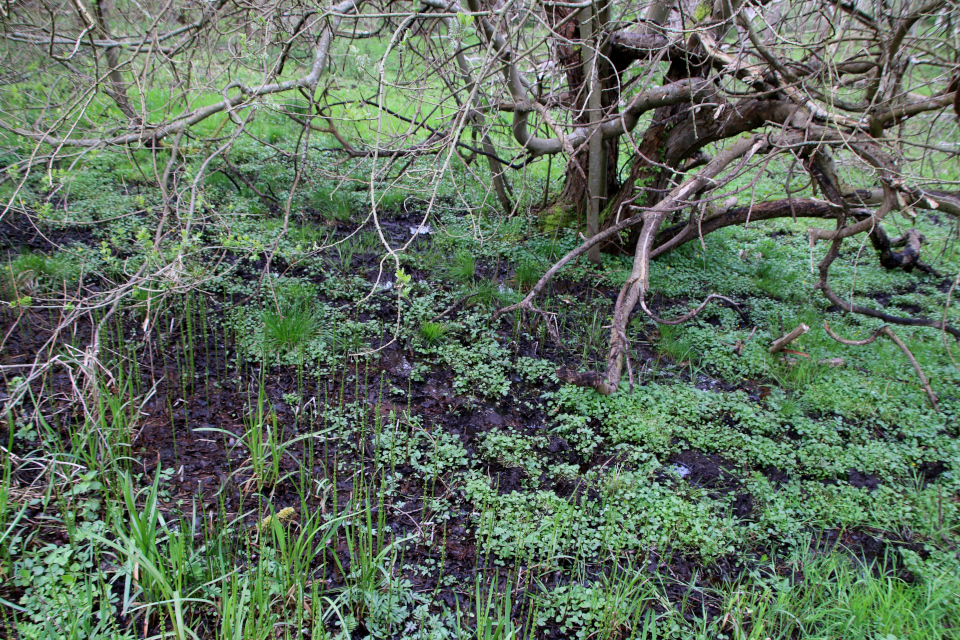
[[117, 88], [582, 79]]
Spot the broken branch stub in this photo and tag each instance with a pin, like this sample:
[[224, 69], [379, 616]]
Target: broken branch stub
[[779, 344]]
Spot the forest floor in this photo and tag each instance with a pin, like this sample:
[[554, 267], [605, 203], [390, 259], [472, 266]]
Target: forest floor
[[326, 446]]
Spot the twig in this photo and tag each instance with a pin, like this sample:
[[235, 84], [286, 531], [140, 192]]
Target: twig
[[456, 305]]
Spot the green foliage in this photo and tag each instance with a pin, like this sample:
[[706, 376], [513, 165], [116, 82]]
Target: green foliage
[[332, 204], [432, 332], [430, 453], [463, 268], [510, 449], [560, 495], [290, 327], [66, 594], [633, 513], [30, 273], [613, 607], [526, 274], [842, 598]]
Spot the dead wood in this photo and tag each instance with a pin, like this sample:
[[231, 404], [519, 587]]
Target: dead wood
[[887, 331], [787, 338]]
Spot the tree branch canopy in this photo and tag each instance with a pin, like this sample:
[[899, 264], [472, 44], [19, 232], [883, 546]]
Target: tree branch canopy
[[658, 110]]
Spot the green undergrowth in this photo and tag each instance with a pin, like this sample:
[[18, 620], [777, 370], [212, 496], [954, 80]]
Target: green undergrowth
[[386, 462]]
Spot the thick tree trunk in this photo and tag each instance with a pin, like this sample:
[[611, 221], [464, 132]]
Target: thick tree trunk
[[651, 168], [664, 145], [577, 71]]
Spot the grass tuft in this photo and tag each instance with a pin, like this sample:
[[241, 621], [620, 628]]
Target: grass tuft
[[433, 332], [290, 327], [464, 266]]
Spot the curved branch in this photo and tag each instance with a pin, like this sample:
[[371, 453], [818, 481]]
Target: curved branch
[[638, 282], [844, 231], [886, 317], [679, 234], [887, 331], [916, 197], [893, 115], [686, 316]]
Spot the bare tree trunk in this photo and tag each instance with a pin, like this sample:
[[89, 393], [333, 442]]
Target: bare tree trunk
[[571, 61], [600, 162], [589, 105], [497, 174], [118, 88], [650, 171], [590, 24]]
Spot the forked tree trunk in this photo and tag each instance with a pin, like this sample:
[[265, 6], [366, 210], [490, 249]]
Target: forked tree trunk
[[653, 166]]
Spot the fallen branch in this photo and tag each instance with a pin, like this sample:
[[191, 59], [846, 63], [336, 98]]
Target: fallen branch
[[887, 331], [689, 315], [455, 306]]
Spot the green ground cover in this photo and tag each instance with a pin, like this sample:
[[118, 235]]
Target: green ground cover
[[328, 446]]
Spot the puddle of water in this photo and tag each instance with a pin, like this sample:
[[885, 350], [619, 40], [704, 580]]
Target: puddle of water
[[403, 369], [680, 470], [422, 230]]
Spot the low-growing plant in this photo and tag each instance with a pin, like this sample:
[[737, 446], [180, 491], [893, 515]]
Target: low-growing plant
[[464, 266], [430, 454], [511, 449], [333, 205], [27, 274], [10, 512], [263, 439], [289, 327], [526, 274], [66, 596], [797, 373], [676, 343], [839, 597], [433, 332], [345, 252], [484, 292], [614, 607]]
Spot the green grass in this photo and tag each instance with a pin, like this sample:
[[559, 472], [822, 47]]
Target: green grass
[[432, 332], [463, 267], [331, 205], [30, 273], [843, 598], [526, 274], [290, 327]]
